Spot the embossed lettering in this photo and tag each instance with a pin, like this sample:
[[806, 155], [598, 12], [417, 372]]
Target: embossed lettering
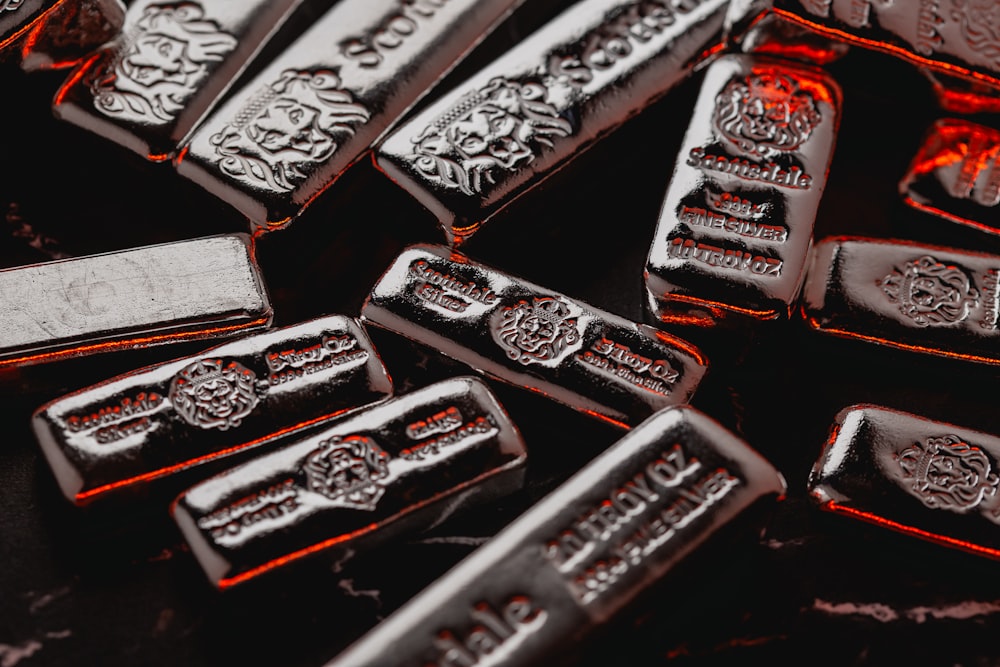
[[368, 50], [728, 258], [493, 628], [127, 407], [769, 172]]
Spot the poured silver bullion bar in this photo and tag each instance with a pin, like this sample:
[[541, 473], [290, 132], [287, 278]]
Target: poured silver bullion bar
[[553, 95], [397, 467], [129, 430], [286, 136], [67, 35], [924, 298], [532, 337], [26, 22], [148, 88], [582, 553], [955, 175], [737, 220], [929, 479], [199, 288]]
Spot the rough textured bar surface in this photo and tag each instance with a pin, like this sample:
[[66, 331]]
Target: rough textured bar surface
[[532, 337]]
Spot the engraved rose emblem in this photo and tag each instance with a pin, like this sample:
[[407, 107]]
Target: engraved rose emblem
[[348, 470], [538, 331], [947, 473], [931, 293], [212, 394]]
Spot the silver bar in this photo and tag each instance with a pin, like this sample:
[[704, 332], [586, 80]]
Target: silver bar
[[186, 290], [923, 298], [125, 432], [396, 467], [582, 553], [25, 23], [283, 139], [929, 479], [736, 224], [532, 337], [516, 121]]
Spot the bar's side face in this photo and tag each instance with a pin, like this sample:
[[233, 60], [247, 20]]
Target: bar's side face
[[929, 479], [533, 337], [923, 298], [397, 466], [132, 298], [736, 225], [582, 553], [119, 435], [507, 127], [287, 135]]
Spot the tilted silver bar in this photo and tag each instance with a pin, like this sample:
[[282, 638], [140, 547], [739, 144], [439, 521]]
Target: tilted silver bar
[[532, 337], [582, 553], [398, 466], [119, 435]]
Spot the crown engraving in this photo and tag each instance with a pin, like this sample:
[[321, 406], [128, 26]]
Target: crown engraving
[[213, 394], [536, 332], [947, 473], [931, 293]]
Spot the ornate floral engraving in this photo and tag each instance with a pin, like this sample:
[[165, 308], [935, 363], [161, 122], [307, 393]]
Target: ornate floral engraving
[[348, 470], [9, 5], [289, 125], [766, 113], [160, 64], [499, 127], [946, 473], [213, 394], [931, 293], [537, 332], [979, 21]]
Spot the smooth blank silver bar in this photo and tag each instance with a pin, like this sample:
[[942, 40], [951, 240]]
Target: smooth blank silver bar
[[117, 436], [736, 224], [149, 87], [398, 466], [553, 95], [185, 290], [582, 553], [287, 135], [532, 337], [929, 479]]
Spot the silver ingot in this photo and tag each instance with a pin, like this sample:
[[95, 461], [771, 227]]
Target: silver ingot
[[399, 466], [50, 34], [905, 295], [582, 553], [737, 220], [122, 434], [553, 95], [149, 87], [925, 478], [533, 337], [207, 287], [287, 135]]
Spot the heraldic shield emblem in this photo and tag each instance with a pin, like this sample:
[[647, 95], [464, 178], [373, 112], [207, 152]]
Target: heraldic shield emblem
[[537, 332], [213, 394], [348, 470]]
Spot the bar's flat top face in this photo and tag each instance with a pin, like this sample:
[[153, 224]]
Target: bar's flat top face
[[128, 430], [533, 337], [397, 461], [140, 292], [290, 132], [583, 552], [930, 479], [736, 223], [924, 298], [555, 93]]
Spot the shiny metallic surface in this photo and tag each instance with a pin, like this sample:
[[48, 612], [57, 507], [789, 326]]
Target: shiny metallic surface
[[529, 112], [582, 553], [117, 436], [287, 135], [533, 337], [67, 35], [737, 220], [199, 288], [923, 298], [929, 479], [149, 87], [26, 22], [391, 469]]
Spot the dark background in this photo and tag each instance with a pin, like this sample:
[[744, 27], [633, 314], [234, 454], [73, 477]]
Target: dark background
[[117, 586]]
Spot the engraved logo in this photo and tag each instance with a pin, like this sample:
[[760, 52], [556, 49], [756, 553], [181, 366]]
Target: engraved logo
[[498, 128], [931, 293], [287, 127], [537, 332], [212, 394], [766, 113], [979, 21], [161, 64], [348, 470], [947, 473]]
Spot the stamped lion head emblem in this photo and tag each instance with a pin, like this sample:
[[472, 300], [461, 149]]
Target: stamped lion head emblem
[[537, 332], [348, 470], [930, 292], [947, 473], [213, 394]]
